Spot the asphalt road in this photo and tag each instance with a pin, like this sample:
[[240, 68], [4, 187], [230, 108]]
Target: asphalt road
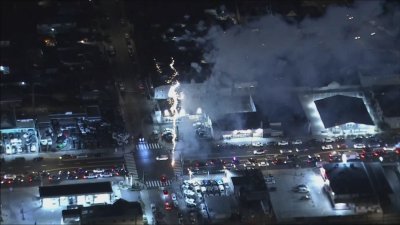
[[54, 165], [134, 106]]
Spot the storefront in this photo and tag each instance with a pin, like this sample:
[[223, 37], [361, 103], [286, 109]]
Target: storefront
[[85, 194]]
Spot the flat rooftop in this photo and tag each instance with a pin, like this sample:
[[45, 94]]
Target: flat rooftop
[[349, 178], [75, 189], [340, 109], [219, 207], [287, 205], [239, 121]]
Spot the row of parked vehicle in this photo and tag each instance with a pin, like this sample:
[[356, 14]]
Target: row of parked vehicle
[[57, 176], [195, 190]]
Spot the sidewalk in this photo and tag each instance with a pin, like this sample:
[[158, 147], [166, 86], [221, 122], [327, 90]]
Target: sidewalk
[[117, 151]]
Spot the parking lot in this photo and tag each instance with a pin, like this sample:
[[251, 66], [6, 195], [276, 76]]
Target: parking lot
[[302, 192], [19, 141], [75, 132], [187, 197]]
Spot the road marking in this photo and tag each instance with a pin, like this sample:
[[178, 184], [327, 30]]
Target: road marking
[[77, 163], [27, 166], [60, 164], [44, 165]]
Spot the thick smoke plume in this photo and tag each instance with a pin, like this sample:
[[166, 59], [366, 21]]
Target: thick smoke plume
[[343, 43], [341, 46]]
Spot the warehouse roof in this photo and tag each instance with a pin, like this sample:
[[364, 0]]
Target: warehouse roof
[[239, 121], [348, 178], [340, 109]]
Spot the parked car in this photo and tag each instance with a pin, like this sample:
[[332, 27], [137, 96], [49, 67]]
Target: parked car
[[297, 142], [359, 145], [328, 140], [283, 142], [257, 144], [283, 151], [106, 174], [38, 159], [259, 151], [162, 158], [263, 164], [327, 147]]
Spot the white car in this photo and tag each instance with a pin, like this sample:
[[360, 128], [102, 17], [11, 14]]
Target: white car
[[49, 141], [359, 145], [190, 201], [98, 170], [106, 174], [43, 141], [263, 164], [329, 140], [33, 148], [257, 144], [188, 192], [202, 207], [91, 176], [297, 142], [283, 142], [327, 147], [166, 131], [259, 151], [282, 151], [162, 158], [302, 190]]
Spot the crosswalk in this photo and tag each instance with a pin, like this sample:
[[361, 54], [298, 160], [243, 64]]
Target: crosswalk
[[145, 145], [130, 165], [178, 170], [157, 183]]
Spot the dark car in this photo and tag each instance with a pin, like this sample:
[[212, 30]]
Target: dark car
[[167, 137], [66, 156], [19, 159], [38, 159]]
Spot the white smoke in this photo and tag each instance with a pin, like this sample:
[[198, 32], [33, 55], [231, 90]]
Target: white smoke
[[314, 52]]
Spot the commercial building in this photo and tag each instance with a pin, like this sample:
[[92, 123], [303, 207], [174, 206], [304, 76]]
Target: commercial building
[[249, 185], [345, 115], [239, 125], [120, 212], [17, 136], [219, 208], [348, 186], [225, 113], [76, 194], [339, 110]]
